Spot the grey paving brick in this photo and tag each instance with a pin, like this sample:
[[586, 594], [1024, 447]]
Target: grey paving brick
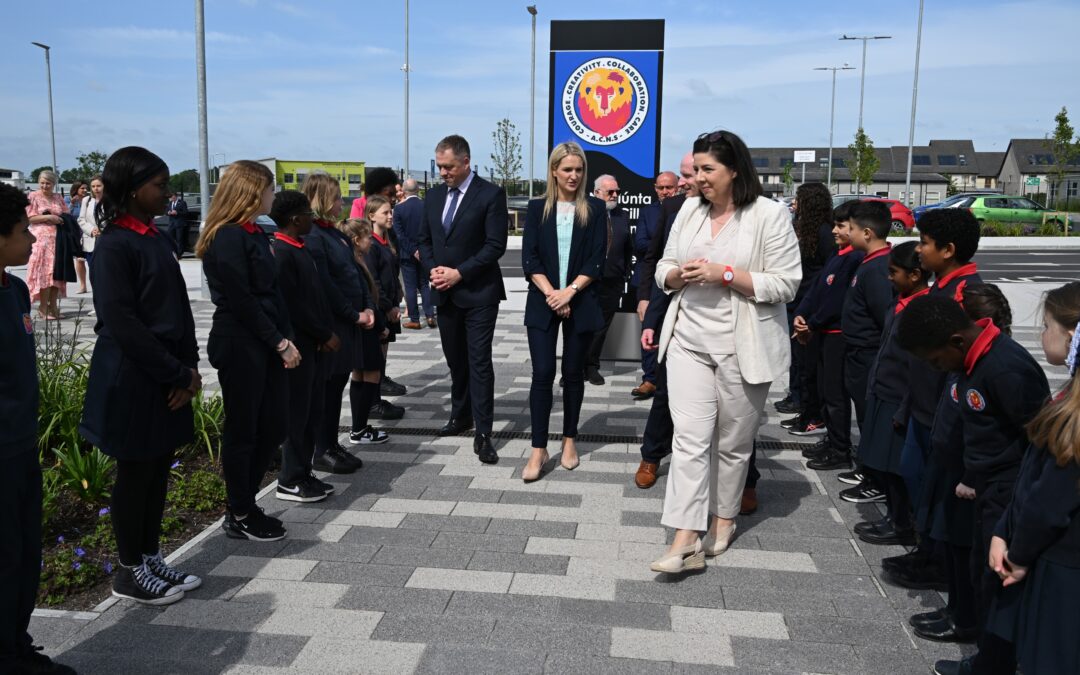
[[607, 613], [532, 528], [345, 551], [206, 614], [223, 648], [434, 629], [383, 536], [502, 543], [688, 592], [433, 523], [462, 494], [401, 601], [491, 605], [550, 637], [358, 574], [576, 664], [541, 499], [410, 557], [798, 656], [442, 659], [787, 602], [494, 561], [877, 660], [343, 655]]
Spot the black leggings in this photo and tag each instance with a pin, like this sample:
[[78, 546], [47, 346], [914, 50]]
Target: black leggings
[[138, 502], [542, 352], [326, 435]]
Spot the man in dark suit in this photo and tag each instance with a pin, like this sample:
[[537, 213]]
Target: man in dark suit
[[179, 226], [616, 271], [408, 218], [462, 237]]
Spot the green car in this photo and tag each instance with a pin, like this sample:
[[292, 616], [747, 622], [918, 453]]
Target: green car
[[1006, 209]]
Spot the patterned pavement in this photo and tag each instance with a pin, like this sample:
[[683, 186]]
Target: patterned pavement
[[427, 561]]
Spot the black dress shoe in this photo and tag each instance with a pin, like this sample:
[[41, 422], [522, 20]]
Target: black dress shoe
[[343, 455], [928, 617], [385, 410], [329, 461], [816, 450], [946, 667], [946, 631], [914, 560], [833, 459], [787, 407], [390, 388], [483, 448], [887, 535], [594, 377], [868, 525], [926, 578], [455, 426]]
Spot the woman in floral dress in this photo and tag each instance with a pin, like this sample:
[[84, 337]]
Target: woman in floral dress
[[44, 213]]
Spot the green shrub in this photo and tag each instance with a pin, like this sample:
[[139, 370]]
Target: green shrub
[[63, 370], [88, 474], [202, 491], [993, 228], [51, 487], [209, 421], [1050, 229], [73, 566]]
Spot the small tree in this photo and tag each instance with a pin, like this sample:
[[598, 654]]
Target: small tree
[[90, 164], [865, 161], [1064, 149], [506, 160], [37, 172], [950, 185], [786, 179], [186, 181]]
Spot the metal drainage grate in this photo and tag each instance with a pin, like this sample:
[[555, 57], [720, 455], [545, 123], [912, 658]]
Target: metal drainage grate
[[583, 438]]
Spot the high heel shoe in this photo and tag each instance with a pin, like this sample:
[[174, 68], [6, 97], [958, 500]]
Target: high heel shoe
[[680, 560], [569, 466], [530, 476], [714, 546]]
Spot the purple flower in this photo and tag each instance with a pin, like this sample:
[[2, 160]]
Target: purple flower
[[175, 464], [76, 565], [103, 512], [60, 539], [107, 567], [80, 552]]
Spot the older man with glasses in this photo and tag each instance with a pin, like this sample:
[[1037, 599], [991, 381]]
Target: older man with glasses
[[612, 285]]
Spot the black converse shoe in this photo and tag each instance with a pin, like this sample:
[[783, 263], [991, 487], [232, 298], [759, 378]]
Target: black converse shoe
[[162, 570], [328, 488], [255, 526], [862, 494], [142, 585], [369, 435], [300, 491], [855, 477]]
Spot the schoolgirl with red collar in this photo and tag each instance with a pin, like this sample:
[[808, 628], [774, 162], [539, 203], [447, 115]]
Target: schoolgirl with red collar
[[385, 266], [1000, 389], [143, 372], [250, 342]]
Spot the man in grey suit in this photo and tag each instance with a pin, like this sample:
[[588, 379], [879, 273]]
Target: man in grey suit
[[461, 240]]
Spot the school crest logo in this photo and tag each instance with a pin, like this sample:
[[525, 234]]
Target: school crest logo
[[954, 394], [975, 400], [829, 279], [605, 101], [28, 324]]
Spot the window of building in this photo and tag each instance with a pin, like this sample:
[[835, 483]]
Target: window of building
[[1073, 189], [761, 162], [963, 160], [786, 161], [354, 178], [933, 197], [1041, 159], [946, 160], [838, 163], [920, 160], [287, 179]]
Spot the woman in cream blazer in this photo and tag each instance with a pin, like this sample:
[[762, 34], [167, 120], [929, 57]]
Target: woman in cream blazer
[[88, 221], [732, 260]]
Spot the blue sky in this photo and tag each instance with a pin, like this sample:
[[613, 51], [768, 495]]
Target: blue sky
[[321, 79]]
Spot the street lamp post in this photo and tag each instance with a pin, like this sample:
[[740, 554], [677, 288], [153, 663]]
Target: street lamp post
[[832, 117], [48, 77], [914, 99], [862, 86], [532, 107], [406, 69], [204, 145]]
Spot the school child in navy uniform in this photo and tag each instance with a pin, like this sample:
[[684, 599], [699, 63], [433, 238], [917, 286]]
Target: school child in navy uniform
[[313, 329], [353, 310], [144, 370], [866, 305], [249, 342], [385, 267], [948, 241], [883, 431], [20, 482], [1000, 389], [819, 313], [1035, 550], [941, 516], [369, 364]]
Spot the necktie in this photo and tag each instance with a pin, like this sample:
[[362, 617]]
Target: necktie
[[449, 217]]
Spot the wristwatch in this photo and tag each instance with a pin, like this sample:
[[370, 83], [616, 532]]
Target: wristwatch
[[728, 276], [575, 287]]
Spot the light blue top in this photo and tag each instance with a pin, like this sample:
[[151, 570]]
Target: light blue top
[[564, 229]]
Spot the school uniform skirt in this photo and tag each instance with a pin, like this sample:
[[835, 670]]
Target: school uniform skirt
[[1039, 617], [939, 512], [367, 351], [881, 445], [341, 361]]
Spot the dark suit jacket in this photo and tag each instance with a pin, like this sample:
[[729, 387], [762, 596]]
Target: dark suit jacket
[[540, 255], [476, 241], [658, 300], [181, 212], [620, 249], [408, 219], [648, 220]]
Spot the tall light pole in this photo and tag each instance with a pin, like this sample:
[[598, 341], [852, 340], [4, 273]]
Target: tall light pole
[[532, 107], [862, 85], [914, 99], [832, 116], [48, 77], [204, 145], [406, 69]]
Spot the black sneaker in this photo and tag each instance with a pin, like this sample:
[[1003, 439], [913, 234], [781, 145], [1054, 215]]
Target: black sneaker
[[341, 453], [255, 526], [832, 459], [855, 477], [807, 427], [385, 410], [816, 450], [787, 406], [142, 585], [862, 494], [332, 462], [276, 522], [369, 435], [36, 662], [390, 388], [594, 377], [162, 569], [791, 422], [328, 488], [301, 491]]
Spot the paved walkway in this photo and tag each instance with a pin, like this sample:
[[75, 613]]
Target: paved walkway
[[427, 561]]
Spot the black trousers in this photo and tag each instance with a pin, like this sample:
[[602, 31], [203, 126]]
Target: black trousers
[[897, 499], [996, 655], [20, 551], [656, 441], [306, 395], [138, 503], [542, 344], [179, 234], [610, 292], [809, 387], [795, 384], [329, 418], [836, 404], [255, 390], [961, 603], [857, 364], [467, 333]]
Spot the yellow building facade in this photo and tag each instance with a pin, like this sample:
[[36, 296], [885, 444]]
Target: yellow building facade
[[289, 174]]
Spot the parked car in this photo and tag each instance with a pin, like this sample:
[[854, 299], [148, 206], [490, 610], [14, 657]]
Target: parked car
[[902, 220], [953, 200], [1011, 209]]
